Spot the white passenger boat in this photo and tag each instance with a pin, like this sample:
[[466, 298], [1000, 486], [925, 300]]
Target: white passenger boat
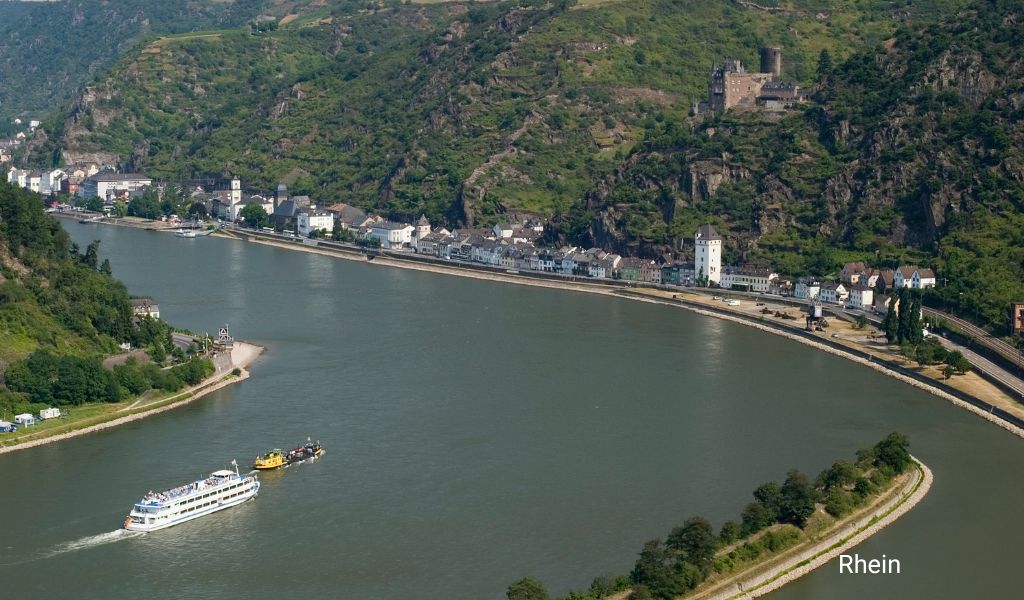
[[222, 489], [185, 233]]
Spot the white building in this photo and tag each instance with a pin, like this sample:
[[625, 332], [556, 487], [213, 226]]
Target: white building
[[51, 181], [914, 277], [834, 293], [392, 235], [34, 181], [707, 254], [861, 296], [312, 221], [751, 279], [109, 185], [807, 289]]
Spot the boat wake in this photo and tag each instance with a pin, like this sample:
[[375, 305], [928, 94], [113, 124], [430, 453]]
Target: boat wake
[[94, 540]]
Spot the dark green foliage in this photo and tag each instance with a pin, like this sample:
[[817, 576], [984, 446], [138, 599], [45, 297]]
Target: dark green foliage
[[694, 541], [254, 216], [146, 206], [893, 452], [798, 499], [770, 496], [63, 380], [729, 533], [755, 517], [527, 588], [957, 361], [41, 63]]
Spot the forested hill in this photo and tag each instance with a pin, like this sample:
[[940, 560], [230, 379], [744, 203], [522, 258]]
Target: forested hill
[[49, 49], [53, 295], [464, 111], [913, 152]]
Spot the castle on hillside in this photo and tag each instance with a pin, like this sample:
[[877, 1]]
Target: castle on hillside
[[732, 86]]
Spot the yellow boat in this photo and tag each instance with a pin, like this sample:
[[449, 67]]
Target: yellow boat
[[271, 460]]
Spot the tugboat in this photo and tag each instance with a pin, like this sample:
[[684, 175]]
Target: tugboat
[[271, 460], [275, 459], [304, 452]]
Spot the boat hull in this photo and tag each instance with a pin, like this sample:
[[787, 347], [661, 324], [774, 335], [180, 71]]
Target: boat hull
[[184, 518]]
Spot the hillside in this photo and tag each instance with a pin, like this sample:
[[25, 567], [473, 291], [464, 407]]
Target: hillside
[[462, 111], [53, 296], [912, 154], [48, 50]]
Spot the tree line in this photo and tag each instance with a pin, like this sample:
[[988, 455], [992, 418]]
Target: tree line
[[774, 521]]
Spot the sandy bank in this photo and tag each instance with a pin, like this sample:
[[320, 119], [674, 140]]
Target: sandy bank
[[246, 353]]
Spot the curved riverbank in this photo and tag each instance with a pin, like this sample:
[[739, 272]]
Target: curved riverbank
[[618, 291], [242, 355], [850, 532]]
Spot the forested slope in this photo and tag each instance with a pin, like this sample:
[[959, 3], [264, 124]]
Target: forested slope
[[465, 111], [912, 152]]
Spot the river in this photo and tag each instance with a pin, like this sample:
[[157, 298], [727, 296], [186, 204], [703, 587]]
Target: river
[[477, 432]]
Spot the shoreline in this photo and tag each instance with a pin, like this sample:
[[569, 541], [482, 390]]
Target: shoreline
[[865, 524], [246, 354], [618, 292]]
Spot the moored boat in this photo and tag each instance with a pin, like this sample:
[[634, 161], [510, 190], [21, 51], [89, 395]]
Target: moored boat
[[222, 489]]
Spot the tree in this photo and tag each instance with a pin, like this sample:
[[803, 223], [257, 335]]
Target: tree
[[947, 371], [105, 267], [527, 588], [657, 570], [92, 253], [861, 322], [903, 333], [695, 542], [254, 216], [755, 517], [198, 209], [824, 64], [916, 333], [729, 533], [840, 474], [146, 206], [890, 324], [798, 499], [770, 496], [958, 362], [893, 452], [95, 204]]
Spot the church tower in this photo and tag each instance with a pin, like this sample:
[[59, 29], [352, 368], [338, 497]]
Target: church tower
[[707, 254], [236, 191]]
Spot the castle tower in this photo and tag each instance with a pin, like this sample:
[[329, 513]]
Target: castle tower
[[707, 254], [280, 195], [236, 191], [422, 227], [771, 61]]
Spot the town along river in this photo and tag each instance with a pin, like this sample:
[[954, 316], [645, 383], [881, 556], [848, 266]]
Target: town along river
[[477, 432]]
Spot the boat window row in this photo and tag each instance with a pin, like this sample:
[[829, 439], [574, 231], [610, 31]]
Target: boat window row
[[216, 492]]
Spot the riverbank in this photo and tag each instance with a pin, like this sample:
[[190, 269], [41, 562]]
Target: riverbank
[[987, 398], [242, 355], [796, 562]]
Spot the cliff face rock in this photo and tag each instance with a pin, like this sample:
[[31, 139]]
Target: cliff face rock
[[706, 176]]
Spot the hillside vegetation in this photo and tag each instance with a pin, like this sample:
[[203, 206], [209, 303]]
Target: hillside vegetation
[[912, 153], [462, 111], [61, 312], [579, 112], [49, 49]]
